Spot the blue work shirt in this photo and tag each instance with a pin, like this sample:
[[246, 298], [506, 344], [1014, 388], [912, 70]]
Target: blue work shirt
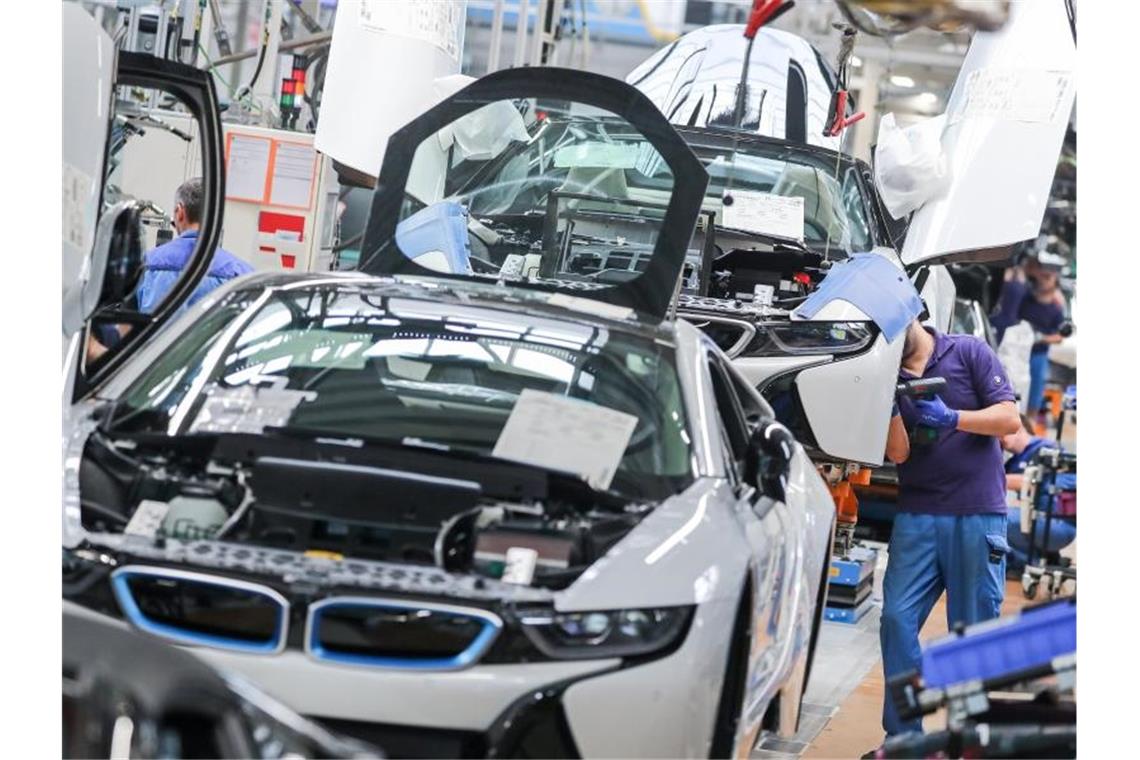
[[959, 473], [164, 266], [1017, 463]]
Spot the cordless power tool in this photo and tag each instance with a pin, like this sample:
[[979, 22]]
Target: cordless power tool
[[924, 388]]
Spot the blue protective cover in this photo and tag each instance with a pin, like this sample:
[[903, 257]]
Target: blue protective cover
[[439, 227], [875, 286]]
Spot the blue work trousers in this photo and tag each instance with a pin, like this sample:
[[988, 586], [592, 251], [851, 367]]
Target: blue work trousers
[[963, 555], [1038, 376]]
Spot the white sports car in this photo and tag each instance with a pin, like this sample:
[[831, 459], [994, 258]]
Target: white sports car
[[484, 498]]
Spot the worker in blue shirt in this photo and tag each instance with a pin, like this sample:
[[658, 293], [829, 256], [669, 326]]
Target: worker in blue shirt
[[1023, 445], [164, 264], [950, 531]]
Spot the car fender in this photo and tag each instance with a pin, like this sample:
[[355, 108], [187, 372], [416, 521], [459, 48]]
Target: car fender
[[688, 550]]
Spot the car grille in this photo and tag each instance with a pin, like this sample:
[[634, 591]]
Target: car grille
[[383, 633], [205, 610], [194, 608]]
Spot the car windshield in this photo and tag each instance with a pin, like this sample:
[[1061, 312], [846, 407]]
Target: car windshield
[[835, 208], [535, 189], [785, 192], [345, 361]]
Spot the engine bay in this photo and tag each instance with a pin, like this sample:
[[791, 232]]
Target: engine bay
[[499, 521]]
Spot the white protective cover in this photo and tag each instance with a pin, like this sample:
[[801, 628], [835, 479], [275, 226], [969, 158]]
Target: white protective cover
[[910, 167], [1013, 353], [1006, 120], [383, 62]]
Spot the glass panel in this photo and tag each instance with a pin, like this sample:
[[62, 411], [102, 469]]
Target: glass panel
[[395, 368], [835, 202], [536, 189]]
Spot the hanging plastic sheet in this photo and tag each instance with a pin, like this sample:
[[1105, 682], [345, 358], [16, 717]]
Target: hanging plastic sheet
[[875, 286], [436, 237]]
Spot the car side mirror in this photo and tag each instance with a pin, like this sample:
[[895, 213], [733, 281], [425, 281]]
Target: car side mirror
[[1066, 329], [770, 450]]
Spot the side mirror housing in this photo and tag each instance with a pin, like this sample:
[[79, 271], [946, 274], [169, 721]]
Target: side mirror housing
[[770, 450]]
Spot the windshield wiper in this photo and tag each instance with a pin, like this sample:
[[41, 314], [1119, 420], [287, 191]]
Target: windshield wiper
[[565, 481]]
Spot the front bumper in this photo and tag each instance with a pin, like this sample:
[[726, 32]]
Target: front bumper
[[583, 708]]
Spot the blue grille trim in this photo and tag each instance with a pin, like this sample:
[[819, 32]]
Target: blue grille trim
[[120, 586]]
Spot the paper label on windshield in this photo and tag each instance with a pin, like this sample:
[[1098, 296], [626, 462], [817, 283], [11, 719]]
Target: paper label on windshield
[[570, 435], [765, 213], [1026, 95], [247, 409]]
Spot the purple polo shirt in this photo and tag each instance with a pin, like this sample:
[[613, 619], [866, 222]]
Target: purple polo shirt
[[959, 473]]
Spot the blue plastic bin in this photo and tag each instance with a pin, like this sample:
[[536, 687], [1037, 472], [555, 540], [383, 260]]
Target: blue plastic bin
[[1000, 647]]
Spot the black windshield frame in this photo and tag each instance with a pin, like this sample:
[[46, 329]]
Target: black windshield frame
[[648, 294]]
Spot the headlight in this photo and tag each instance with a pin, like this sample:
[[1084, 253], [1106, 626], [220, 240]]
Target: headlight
[[608, 633], [799, 338]]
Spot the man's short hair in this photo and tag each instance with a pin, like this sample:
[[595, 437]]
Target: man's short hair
[[189, 196]]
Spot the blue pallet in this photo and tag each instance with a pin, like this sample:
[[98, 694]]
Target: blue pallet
[[847, 614], [1004, 646]]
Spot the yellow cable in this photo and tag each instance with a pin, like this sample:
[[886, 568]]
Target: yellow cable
[[657, 34]]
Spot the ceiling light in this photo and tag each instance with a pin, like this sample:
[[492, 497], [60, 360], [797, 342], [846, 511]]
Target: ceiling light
[[927, 99], [856, 61], [901, 81]]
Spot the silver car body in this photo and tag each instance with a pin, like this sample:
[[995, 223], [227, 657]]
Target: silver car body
[[699, 547]]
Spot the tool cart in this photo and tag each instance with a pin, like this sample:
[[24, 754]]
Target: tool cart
[[1007, 685]]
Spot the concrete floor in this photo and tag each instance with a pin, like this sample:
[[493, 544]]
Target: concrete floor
[[844, 701]]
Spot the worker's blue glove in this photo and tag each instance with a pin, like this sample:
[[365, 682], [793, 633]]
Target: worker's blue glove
[[935, 414]]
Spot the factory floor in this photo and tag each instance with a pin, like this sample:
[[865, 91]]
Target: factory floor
[[844, 701]]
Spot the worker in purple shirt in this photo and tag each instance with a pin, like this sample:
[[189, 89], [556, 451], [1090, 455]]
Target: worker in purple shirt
[[165, 263], [1032, 293], [950, 531]]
